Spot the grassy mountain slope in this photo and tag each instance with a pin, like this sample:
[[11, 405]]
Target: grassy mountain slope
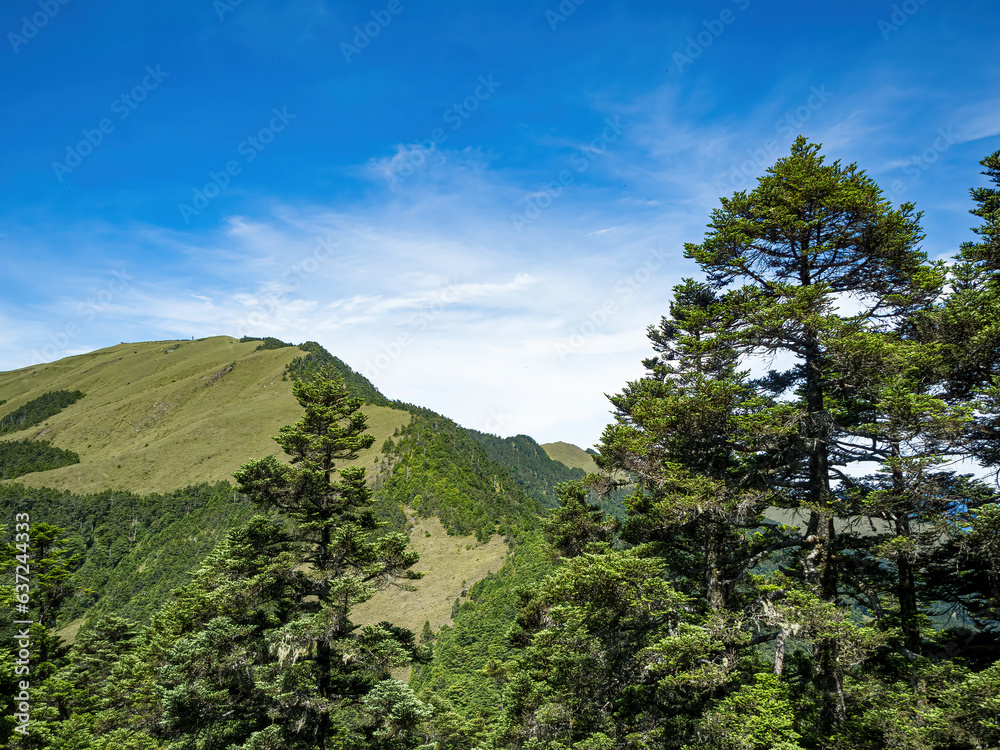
[[161, 415], [478, 632], [571, 456], [178, 417], [451, 565]]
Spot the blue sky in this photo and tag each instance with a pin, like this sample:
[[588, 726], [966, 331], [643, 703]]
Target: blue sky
[[479, 206]]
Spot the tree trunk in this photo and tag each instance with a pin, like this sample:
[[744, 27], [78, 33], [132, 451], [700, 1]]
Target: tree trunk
[[906, 592], [906, 585], [713, 585], [779, 652], [828, 677]]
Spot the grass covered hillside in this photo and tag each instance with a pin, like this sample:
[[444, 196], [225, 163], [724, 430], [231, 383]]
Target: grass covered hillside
[[161, 415], [570, 455], [160, 427]]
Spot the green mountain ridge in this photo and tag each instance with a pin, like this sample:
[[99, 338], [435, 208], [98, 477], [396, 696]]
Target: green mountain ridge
[[536, 471], [164, 424]]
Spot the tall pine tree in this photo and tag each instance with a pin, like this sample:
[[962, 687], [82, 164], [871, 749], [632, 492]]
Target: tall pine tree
[[812, 257], [341, 552]]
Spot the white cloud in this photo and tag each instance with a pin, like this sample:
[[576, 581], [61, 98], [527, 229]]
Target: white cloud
[[981, 120], [429, 288]]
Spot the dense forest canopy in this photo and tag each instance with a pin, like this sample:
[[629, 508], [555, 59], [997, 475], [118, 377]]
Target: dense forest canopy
[[867, 618]]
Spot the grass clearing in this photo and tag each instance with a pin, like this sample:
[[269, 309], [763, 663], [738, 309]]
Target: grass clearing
[[452, 564], [69, 633]]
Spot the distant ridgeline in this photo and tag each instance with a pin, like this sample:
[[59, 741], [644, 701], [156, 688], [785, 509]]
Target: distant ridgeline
[[538, 474], [18, 458]]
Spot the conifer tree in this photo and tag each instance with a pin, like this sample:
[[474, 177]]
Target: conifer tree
[[700, 443], [576, 523], [965, 329], [811, 258], [967, 325], [985, 254], [612, 657], [338, 548]]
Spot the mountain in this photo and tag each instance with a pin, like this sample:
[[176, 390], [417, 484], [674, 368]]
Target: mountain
[[536, 471], [571, 456], [161, 415], [159, 427]]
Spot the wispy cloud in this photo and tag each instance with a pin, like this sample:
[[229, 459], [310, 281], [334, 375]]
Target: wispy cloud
[[385, 226]]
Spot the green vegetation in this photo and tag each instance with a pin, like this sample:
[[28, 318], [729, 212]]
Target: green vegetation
[[38, 410], [317, 359], [535, 471], [477, 639], [134, 550], [539, 474], [268, 342], [225, 619], [288, 578], [28, 456], [329, 534], [719, 630], [438, 468]]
